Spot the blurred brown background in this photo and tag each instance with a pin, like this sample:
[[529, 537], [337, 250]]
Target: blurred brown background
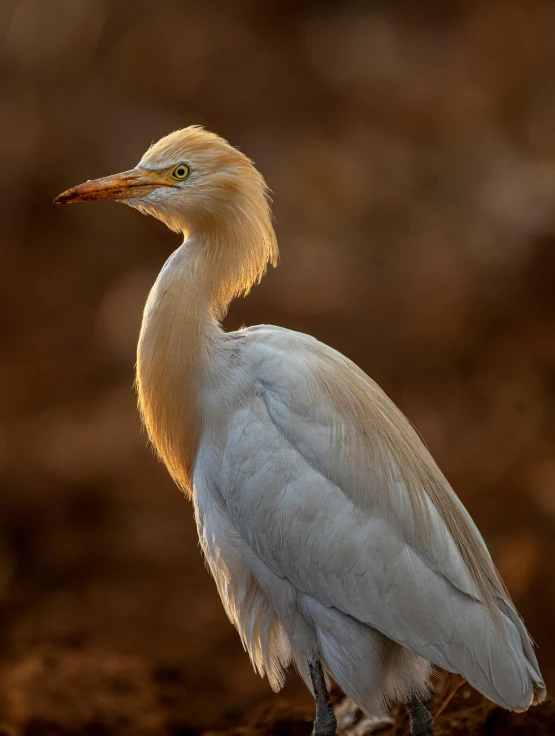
[[411, 150]]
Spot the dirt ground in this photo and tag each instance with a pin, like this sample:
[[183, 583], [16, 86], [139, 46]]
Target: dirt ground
[[457, 711], [410, 147]]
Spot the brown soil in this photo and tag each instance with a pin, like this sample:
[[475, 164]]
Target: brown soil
[[70, 696], [457, 711]]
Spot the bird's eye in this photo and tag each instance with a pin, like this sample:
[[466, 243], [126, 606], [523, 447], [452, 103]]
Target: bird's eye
[[181, 172]]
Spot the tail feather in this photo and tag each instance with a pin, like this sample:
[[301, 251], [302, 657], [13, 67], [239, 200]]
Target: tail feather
[[499, 664], [374, 671], [531, 663]]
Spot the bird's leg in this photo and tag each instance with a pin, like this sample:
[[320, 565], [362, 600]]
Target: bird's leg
[[325, 723], [421, 721]]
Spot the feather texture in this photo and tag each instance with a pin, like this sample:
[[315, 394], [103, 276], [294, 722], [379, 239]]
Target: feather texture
[[197, 283], [328, 528], [298, 508]]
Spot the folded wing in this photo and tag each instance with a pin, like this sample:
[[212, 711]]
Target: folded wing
[[349, 506]]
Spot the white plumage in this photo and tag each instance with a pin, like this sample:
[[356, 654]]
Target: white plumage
[[330, 532], [285, 542]]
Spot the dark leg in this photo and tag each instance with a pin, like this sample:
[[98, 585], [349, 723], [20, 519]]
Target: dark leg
[[325, 723], [421, 721]]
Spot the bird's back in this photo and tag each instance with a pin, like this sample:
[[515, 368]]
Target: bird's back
[[309, 461]]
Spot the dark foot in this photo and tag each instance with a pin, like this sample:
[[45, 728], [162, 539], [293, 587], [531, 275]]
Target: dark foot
[[324, 728], [325, 723], [421, 721]]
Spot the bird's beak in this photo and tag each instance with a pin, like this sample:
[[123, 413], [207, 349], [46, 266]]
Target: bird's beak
[[133, 183]]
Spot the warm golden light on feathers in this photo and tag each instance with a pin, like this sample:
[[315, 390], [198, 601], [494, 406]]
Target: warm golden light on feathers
[[228, 204], [329, 529], [233, 211]]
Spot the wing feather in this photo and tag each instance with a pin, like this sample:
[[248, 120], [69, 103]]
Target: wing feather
[[323, 401], [362, 519]]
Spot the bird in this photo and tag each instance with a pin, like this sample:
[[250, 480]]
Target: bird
[[335, 541]]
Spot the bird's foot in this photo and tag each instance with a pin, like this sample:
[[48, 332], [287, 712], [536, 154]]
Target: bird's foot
[[421, 721], [325, 725]]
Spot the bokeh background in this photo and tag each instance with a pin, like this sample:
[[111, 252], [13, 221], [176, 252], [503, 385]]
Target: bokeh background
[[411, 150]]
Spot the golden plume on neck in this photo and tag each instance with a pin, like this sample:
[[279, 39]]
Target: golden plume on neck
[[229, 242]]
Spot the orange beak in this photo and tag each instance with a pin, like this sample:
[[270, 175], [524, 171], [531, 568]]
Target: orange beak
[[128, 184]]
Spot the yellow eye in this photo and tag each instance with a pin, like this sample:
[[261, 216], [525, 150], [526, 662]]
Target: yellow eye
[[181, 172]]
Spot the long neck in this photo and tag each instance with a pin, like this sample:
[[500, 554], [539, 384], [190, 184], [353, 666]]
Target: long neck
[[180, 336]]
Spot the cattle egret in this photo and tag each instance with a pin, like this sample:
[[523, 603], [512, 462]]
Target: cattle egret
[[334, 539]]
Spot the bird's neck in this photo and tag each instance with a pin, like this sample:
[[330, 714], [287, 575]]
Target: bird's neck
[[181, 337]]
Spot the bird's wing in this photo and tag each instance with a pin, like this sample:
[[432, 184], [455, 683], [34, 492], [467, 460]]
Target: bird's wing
[[351, 433], [331, 487]]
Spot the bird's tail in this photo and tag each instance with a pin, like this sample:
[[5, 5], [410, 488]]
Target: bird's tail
[[500, 664], [373, 670], [527, 652]]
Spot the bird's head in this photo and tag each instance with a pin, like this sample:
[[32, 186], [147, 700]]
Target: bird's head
[[188, 179]]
